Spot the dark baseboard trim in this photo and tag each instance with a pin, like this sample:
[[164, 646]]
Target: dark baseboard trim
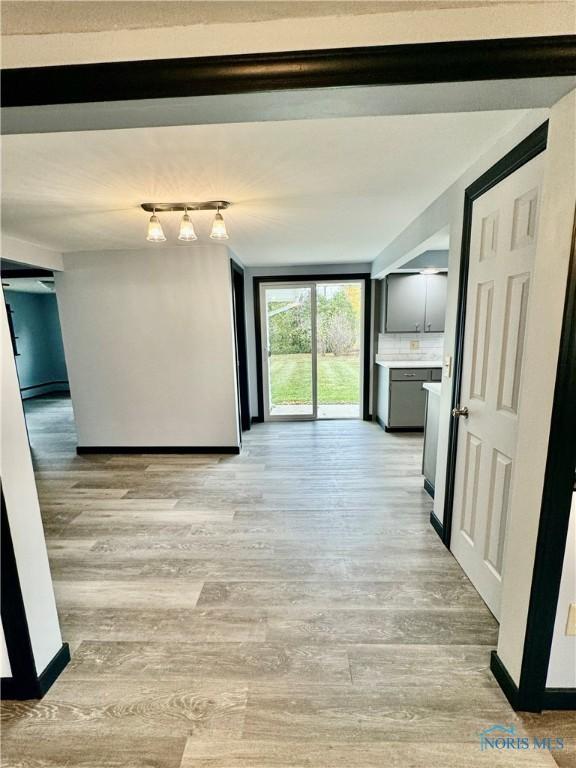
[[552, 698], [45, 384], [36, 688], [404, 429], [437, 525], [53, 670], [27, 396], [86, 449], [386, 428], [428, 487], [509, 687], [257, 419], [559, 698]]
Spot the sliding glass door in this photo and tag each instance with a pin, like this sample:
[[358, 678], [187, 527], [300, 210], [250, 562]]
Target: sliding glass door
[[311, 349], [289, 341]]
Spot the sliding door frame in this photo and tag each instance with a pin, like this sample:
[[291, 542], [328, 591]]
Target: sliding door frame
[[264, 357], [353, 277]]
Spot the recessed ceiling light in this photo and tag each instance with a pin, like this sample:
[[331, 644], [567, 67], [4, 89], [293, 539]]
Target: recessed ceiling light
[[429, 271]]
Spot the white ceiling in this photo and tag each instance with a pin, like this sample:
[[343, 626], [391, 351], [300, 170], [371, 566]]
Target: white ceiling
[[22, 17], [308, 191]]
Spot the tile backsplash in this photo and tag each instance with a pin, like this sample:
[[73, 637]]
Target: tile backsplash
[[396, 346]]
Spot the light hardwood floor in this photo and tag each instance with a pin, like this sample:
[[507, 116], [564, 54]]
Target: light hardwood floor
[[288, 607]]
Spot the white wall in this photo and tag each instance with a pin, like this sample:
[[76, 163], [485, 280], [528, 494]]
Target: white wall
[[28, 253], [495, 20], [249, 274], [562, 667], [24, 513], [543, 331], [149, 343]]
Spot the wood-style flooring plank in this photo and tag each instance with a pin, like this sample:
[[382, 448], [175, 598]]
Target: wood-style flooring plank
[[271, 753], [120, 593], [243, 662], [289, 607], [355, 712], [99, 751], [139, 709]]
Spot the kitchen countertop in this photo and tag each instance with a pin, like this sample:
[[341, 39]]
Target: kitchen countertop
[[432, 386], [409, 363]]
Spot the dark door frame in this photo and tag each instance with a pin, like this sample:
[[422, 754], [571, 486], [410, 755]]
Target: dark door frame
[[24, 681], [367, 351], [239, 315]]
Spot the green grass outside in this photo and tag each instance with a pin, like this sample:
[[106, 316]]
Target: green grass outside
[[291, 377]]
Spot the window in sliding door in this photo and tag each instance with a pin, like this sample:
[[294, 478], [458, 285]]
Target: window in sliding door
[[339, 345], [289, 360]]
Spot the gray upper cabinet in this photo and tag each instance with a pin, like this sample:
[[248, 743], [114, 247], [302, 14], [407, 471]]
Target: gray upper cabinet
[[406, 297], [415, 303], [435, 303]]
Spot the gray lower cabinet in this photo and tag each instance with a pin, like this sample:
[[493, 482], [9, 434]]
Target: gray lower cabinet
[[407, 404], [401, 399]]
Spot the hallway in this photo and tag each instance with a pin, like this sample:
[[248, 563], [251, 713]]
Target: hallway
[[290, 606]]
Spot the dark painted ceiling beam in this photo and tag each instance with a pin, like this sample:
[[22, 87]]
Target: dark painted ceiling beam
[[378, 65]]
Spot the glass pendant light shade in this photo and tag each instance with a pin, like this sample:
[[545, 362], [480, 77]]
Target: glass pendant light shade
[[187, 233], [155, 231], [218, 228]]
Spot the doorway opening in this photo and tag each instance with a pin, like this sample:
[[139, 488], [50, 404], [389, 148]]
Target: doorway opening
[[312, 349], [36, 336], [239, 315]]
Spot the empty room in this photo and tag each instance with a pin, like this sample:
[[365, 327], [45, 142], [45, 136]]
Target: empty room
[[288, 374]]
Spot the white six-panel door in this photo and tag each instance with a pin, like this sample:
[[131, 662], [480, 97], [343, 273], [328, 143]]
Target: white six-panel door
[[502, 249]]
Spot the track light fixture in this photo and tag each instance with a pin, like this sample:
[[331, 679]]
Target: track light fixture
[[186, 232]]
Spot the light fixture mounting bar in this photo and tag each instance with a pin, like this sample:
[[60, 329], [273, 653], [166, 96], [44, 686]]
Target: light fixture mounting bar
[[211, 205]]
